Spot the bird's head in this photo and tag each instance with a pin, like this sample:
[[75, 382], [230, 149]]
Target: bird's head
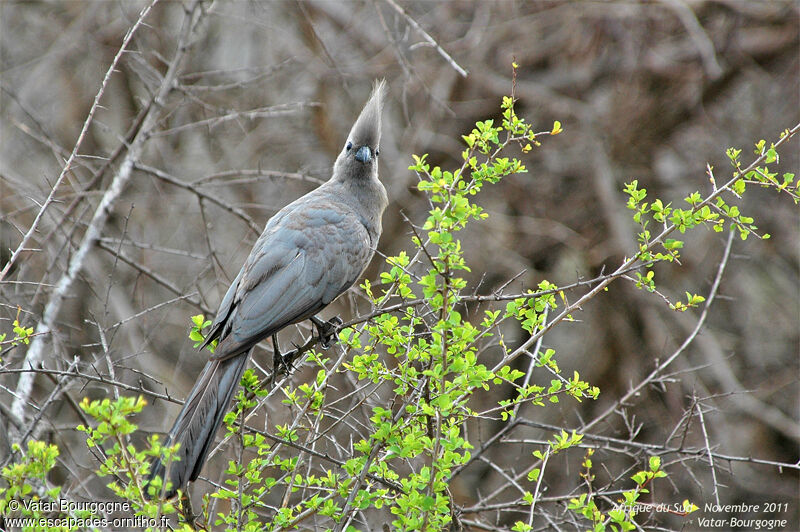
[[359, 156]]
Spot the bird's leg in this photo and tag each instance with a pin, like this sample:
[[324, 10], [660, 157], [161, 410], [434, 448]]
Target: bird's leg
[[280, 363], [327, 330], [188, 511]]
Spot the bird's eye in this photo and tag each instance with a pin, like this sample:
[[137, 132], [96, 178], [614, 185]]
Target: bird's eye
[[349, 146], [377, 152]]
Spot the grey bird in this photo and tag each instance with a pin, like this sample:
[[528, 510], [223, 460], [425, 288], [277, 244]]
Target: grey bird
[[310, 252]]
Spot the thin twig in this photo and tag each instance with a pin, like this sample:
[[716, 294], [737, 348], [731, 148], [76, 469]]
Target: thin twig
[[689, 339], [428, 38], [164, 176], [97, 378], [708, 452]]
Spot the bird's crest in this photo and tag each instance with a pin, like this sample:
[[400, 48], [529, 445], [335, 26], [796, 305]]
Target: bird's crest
[[367, 129]]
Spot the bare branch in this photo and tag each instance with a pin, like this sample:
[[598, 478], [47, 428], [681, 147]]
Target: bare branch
[[35, 352], [68, 165], [428, 38]]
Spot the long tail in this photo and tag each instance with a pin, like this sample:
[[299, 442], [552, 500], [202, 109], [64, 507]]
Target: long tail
[[201, 416]]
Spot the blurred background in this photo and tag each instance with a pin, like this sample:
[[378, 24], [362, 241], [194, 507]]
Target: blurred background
[[261, 104]]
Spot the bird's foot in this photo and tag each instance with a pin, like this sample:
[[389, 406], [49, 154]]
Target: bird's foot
[[282, 362], [328, 330]]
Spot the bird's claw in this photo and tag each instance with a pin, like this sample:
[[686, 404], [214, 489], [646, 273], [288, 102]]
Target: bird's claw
[[328, 330], [282, 362]]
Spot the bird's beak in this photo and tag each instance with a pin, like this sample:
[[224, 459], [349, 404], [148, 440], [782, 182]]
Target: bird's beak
[[364, 154]]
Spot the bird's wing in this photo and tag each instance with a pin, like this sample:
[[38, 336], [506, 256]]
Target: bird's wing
[[294, 271]]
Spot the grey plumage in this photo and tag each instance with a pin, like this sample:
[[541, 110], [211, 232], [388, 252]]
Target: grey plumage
[[310, 252]]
